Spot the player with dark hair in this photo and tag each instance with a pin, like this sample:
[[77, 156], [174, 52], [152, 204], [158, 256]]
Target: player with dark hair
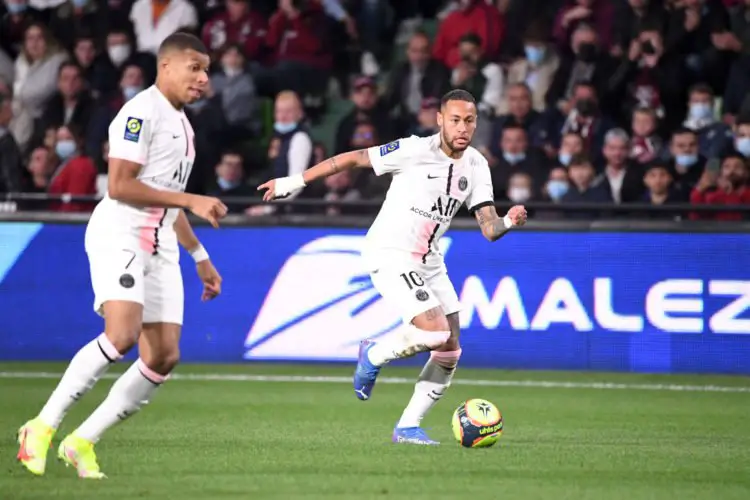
[[132, 244], [432, 178]]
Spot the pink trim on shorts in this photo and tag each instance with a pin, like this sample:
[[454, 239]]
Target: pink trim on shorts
[[156, 378], [149, 229], [108, 347]]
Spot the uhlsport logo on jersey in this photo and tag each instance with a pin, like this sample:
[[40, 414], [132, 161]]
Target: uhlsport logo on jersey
[[321, 304]]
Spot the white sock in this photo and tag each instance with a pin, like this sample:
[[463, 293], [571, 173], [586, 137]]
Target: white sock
[[432, 383], [128, 394], [405, 346], [84, 370]]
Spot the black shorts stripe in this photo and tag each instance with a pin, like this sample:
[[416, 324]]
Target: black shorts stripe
[[156, 232], [429, 243], [450, 179]]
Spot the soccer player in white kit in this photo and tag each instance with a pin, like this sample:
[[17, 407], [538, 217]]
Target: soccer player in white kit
[[132, 244], [432, 178]]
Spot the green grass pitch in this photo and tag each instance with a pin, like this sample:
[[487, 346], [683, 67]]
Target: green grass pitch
[[585, 436]]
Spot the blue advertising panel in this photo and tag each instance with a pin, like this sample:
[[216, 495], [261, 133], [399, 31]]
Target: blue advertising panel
[[644, 302]]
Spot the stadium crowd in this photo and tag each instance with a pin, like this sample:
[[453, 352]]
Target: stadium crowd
[[600, 101]]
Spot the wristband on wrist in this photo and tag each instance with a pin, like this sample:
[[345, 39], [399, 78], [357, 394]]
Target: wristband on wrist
[[199, 254]]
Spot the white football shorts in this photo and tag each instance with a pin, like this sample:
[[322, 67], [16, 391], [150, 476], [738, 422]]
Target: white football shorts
[[122, 270], [412, 288]]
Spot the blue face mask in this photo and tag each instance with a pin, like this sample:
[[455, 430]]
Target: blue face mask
[[534, 54], [700, 111], [65, 149], [16, 8], [284, 128], [514, 158], [564, 158], [742, 144], [556, 189], [129, 92], [225, 184], [686, 161]]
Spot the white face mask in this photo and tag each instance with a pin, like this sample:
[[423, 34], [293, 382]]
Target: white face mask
[[519, 194], [118, 54]]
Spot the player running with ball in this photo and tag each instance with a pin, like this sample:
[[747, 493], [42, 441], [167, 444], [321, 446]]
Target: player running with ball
[[132, 245], [432, 178]]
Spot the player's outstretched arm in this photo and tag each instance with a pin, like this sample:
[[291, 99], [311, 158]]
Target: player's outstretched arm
[[495, 227], [284, 186], [206, 270], [123, 185]]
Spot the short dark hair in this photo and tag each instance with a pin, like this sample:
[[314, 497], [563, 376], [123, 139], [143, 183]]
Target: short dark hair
[[580, 160], [69, 64], [742, 119], [457, 95], [683, 131], [471, 38], [734, 154], [182, 41], [701, 88]]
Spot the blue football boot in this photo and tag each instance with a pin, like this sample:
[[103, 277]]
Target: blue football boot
[[366, 373], [412, 435]]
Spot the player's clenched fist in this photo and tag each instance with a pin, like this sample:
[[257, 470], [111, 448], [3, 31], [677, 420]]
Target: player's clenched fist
[[517, 215], [208, 208]]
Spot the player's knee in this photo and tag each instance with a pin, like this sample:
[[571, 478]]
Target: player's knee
[[122, 340], [162, 362], [446, 359]]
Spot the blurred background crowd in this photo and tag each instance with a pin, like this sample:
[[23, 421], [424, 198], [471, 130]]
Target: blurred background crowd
[[580, 101]]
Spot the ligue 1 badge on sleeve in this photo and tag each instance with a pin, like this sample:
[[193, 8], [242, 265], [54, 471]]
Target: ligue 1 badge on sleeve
[[133, 129]]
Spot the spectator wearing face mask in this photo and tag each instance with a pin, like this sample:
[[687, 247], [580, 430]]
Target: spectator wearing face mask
[[230, 180], [660, 190], [554, 189], [570, 146], [520, 113], [730, 187], [584, 62], [687, 164], [741, 141], [586, 119], [119, 54], [645, 145], [291, 149], [131, 83], [713, 135], [515, 155], [74, 174], [520, 188], [536, 70], [583, 190], [235, 88]]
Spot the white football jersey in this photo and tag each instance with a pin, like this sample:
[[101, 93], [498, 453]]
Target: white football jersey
[[149, 131], [427, 189]]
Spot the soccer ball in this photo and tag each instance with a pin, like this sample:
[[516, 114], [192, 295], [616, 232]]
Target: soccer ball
[[477, 423]]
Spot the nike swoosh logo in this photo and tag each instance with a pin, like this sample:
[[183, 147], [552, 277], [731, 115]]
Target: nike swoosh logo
[[175, 136], [433, 176]]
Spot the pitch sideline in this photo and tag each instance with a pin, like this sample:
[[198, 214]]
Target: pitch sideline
[[542, 384]]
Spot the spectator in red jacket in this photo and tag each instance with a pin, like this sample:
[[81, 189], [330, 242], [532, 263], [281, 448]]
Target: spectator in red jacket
[[75, 173], [729, 189], [298, 35], [241, 25], [473, 16]]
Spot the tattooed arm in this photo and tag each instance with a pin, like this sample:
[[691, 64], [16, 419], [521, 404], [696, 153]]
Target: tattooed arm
[[495, 227], [282, 187]]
